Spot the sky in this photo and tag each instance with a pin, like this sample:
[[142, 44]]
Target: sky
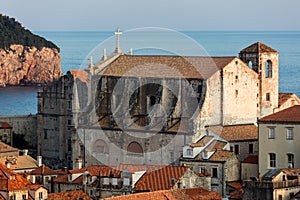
[[101, 15]]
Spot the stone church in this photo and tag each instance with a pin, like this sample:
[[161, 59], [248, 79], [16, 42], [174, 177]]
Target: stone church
[[142, 109]]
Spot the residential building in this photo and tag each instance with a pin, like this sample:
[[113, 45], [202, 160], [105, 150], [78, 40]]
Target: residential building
[[6, 134], [279, 139], [249, 167], [276, 184], [211, 155]]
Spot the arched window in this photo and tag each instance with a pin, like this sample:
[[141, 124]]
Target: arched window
[[100, 146], [268, 69], [135, 147], [250, 64]]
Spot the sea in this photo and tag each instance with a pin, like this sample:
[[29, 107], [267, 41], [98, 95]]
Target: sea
[[77, 47]]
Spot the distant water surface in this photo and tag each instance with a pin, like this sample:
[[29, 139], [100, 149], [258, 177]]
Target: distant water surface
[[75, 46]]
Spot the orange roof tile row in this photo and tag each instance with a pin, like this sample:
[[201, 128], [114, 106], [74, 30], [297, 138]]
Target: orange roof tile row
[[70, 195], [166, 66], [218, 156], [239, 132], [289, 115], [160, 179], [184, 194], [43, 170], [5, 125]]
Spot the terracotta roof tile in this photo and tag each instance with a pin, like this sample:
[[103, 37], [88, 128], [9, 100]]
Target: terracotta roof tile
[[202, 142], [235, 184], [70, 195], [7, 148], [201, 193], [22, 162], [80, 74], [43, 170], [160, 179], [236, 194], [289, 115], [239, 132], [218, 156], [138, 168], [216, 145], [166, 66], [5, 125], [258, 47], [251, 159]]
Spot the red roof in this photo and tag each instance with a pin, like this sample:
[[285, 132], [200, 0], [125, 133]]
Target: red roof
[[5, 125], [70, 195], [160, 179], [137, 168], [43, 170], [289, 115], [236, 194], [251, 159], [203, 194]]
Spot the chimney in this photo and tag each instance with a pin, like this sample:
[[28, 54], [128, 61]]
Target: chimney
[[25, 152], [39, 161], [78, 163], [131, 52], [104, 55]]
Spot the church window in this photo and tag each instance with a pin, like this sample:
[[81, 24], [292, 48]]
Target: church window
[[268, 69], [135, 147]]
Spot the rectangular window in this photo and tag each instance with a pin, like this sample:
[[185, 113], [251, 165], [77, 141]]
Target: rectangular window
[[189, 152], [91, 193], [214, 172], [280, 197], [24, 197], [126, 181], [268, 97], [40, 195], [114, 181], [272, 158], [236, 149], [289, 134], [271, 132], [202, 170], [45, 134], [290, 160], [106, 181], [251, 148]]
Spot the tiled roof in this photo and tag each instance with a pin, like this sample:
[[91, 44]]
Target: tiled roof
[[289, 115], [4, 148], [138, 168], [34, 187], [160, 179], [70, 195], [182, 194], [5, 125], [239, 132], [258, 47], [155, 195], [218, 156], [202, 142], [251, 159], [216, 145], [236, 194], [166, 66], [7, 183], [22, 163], [43, 170], [80, 74], [235, 184], [203, 194]]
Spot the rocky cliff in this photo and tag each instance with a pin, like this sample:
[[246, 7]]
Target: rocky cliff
[[21, 65]]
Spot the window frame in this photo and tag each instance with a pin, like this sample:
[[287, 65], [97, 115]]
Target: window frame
[[289, 133], [236, 149], [272, 161], [271, 132], [291, 159], [214, 174], [252, 148]]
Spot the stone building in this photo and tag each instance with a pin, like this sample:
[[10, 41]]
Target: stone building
[[279, 139], [142, 109]]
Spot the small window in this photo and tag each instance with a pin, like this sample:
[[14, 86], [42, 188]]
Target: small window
[[202, 170], [189, 152], [271, 132], [290, 160], [289, 134], [40, 195], [114, 181], [91, 193], [268, 97], [171, 156], [126, 181], [214, 172], [24, 197], [105, 181], [280, 197], [236, 149], [269, 72], [236, 77], [272, 159], [45, 134], [236, 93], [251, 148], [250, 64]]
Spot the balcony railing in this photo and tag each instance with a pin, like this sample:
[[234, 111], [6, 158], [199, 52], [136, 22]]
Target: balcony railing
[[272, 185]]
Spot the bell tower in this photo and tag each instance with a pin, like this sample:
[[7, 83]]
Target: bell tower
[[264, 61]]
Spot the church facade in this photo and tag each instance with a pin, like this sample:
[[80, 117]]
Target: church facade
[[142, 109]]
